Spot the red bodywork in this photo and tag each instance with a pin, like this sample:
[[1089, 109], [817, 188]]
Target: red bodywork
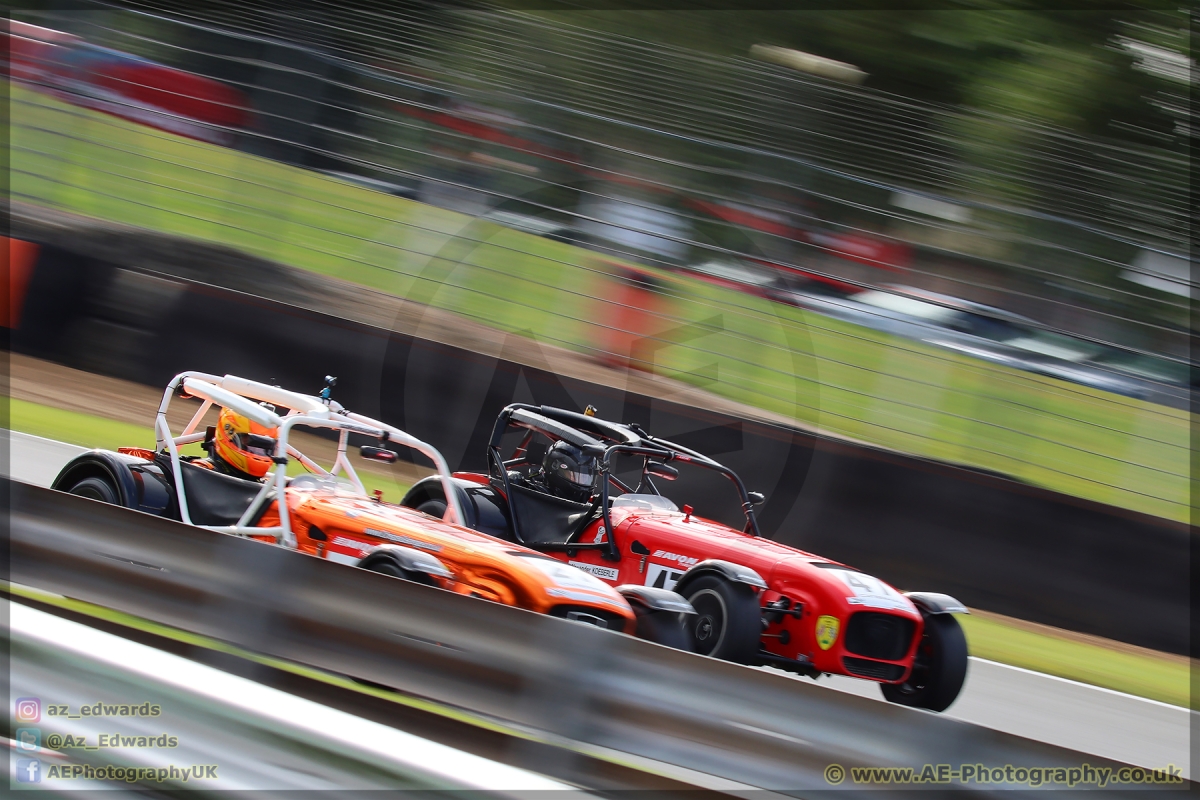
[[824, 588]]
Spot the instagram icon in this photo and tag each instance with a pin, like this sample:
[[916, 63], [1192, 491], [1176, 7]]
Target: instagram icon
[[29, 709]]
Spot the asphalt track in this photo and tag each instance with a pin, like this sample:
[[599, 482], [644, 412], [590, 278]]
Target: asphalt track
[[1045, 708]]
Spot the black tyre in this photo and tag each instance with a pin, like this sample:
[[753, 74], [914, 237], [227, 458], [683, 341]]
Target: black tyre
[[384, 567], [665, 628], [97, 488], [728, 621], [939, 668], [435, 507]]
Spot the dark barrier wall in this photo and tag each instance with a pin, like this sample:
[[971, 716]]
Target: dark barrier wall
[[994, 543]]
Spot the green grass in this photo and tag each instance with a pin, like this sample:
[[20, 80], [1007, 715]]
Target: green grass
[[1156, 677], [73, 427], [87, 430], [843, 378]]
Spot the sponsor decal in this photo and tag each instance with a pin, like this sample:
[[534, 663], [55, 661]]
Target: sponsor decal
[[600, 532], [607, 573], [684, 561], [561, 574], [400, 539], [827, 631]]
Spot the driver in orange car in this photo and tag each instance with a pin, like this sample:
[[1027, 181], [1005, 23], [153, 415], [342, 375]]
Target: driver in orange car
[[239, 447]]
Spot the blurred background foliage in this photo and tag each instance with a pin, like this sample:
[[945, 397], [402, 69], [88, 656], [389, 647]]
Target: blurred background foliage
[[1071, 68], [413, 144]]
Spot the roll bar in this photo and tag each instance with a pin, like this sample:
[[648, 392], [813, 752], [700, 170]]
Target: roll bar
[[562, 424], [239, 395]]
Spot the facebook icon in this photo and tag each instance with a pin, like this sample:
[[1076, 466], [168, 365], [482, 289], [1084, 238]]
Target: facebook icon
[[29, 770]]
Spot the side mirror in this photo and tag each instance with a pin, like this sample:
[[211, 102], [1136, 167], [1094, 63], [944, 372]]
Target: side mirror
[[378, 454], [664, 471], [756, 498]]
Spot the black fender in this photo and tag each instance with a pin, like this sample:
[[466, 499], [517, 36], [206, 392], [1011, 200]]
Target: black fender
[[728, 570], [935, 603], [141, 484], [485, 509], [649, 599], [406, 558]]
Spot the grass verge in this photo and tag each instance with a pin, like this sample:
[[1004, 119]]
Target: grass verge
[[840, 377], [1157, 676]]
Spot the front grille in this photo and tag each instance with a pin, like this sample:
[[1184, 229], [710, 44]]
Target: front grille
[[612, 621], [874, 635], [866, 668]]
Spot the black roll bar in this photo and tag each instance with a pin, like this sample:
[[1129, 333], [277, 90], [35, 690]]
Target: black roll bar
[[660, 448], [635, 444]]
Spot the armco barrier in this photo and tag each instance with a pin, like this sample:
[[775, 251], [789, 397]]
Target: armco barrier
[[994, 543], [253, 738], [565, 678]]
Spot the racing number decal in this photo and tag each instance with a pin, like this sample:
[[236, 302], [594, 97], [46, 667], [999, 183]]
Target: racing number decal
[[662, 577], [860, 586], [870, 591]]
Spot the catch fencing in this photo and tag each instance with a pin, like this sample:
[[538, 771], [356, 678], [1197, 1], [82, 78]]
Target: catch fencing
[[519, 138]]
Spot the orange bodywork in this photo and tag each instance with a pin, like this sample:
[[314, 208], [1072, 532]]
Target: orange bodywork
[[482, 566]]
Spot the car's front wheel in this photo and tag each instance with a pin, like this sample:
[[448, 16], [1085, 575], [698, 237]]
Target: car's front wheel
[[728, 621], [939, 668], [665, 628], [96, 488]]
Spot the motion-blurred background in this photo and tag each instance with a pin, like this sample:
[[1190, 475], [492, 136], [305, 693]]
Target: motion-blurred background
[[956, 233], [921, 276]]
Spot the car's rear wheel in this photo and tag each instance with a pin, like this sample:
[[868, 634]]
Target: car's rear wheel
[[96, 488], [727, 623], [939, 668]]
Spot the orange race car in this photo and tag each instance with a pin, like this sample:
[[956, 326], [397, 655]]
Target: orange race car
[[237, 488]]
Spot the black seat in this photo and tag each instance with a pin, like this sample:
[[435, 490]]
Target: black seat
[[216, 499], [543, 518]]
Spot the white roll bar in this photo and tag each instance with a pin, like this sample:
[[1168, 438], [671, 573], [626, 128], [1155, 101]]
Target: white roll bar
[[302, 403], [239, 395], [453, 509], [234, 402]]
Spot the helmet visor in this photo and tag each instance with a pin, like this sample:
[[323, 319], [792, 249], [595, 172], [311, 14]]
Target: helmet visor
[[581, 477], [255, 445]]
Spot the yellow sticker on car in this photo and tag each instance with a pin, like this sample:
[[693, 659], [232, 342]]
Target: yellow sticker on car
[[827, 631]]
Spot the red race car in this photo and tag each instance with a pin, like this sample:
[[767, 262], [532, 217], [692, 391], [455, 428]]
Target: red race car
[[756, 601]]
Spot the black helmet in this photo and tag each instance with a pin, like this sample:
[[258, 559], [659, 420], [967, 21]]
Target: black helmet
[[569, 473]]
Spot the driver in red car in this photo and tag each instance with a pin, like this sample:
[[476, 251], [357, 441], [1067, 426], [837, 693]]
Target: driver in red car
[[239, 447], [567, 473]]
